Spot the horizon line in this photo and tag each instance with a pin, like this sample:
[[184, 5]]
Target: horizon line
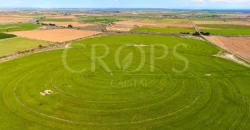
[[121, 8]]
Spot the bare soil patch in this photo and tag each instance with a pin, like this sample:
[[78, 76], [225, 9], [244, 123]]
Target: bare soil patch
[[232, 58], [155, 24], [65, 24], [57, 35], [237, 45], [246, 23]]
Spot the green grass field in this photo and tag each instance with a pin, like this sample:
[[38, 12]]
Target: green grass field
[[18, 27], [212, 93], [57, 20], [218, 19], [101, 19], [226, 29], [12, 45], [163, 29]]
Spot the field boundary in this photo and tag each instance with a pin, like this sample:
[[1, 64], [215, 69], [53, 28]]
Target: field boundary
[[62, 45], [237, 56]]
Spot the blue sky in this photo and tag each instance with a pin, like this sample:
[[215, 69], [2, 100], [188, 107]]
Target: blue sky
[[172, 4]]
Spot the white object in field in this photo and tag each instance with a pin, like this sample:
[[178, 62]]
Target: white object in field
[[42, 94], [46, 92]]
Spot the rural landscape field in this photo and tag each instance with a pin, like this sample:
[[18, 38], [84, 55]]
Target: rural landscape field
[[88, 66]]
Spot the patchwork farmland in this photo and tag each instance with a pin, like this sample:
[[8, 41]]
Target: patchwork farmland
[[124, 70]]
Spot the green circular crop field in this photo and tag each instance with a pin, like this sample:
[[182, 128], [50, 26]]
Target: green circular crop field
[[189, 88]]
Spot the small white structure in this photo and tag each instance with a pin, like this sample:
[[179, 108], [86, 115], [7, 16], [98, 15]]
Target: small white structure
[[46, 92]]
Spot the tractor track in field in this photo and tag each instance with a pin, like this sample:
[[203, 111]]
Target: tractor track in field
[[121, 123], [238, 120], [97, 124]]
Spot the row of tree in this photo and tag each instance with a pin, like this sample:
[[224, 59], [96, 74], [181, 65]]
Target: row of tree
[[203, 33], [4, 35]]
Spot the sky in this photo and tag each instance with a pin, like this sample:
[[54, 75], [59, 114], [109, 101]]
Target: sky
[[169, 4]]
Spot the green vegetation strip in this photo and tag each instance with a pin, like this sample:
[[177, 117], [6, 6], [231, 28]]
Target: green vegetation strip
[[102, 20], [226, 29], [9, 46], [18, 27], [213, 93], [218, 19], [57, 20], [163, 29]]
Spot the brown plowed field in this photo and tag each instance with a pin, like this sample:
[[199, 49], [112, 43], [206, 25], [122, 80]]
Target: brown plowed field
[[57, 35], [246, 23], [155, 24], [74, 24], [237, 45]]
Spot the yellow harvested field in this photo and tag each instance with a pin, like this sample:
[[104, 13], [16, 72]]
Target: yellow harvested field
[[57, 35]]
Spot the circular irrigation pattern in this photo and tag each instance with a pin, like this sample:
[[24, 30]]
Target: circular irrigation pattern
[[47, 93]]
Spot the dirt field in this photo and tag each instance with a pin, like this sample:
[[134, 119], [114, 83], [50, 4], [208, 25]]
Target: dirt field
[[74, 24], [120, 27], [238, 45], [222, 22], [155, 24], [5, 20], [58, 35]]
